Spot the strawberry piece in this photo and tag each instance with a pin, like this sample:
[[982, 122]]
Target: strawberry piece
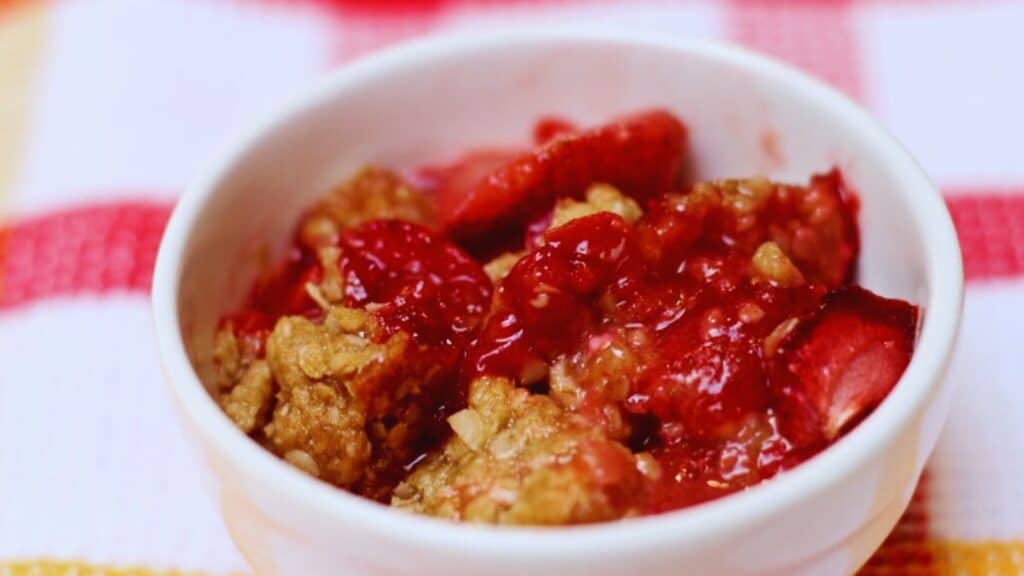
[[543, 305], [419, 281], [279, 291], [548, 128], [461, 176], [706, 392], [840, 362], [251, 328], [639, 154]]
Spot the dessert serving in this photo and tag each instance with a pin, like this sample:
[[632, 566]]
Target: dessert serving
[[566, 334]]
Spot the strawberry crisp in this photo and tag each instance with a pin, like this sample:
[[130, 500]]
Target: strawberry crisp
[[565, 334]]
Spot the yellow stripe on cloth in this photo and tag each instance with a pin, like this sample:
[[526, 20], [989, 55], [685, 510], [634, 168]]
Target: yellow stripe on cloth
[[22, 41], [948, 558], [54, 568]]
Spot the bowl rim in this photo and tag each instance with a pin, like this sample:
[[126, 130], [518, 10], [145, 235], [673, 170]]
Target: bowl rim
[[944, 273]]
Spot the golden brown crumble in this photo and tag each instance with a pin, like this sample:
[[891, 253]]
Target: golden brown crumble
[[232, 357], [248, 403], [334, 397], [319, 419], [518, 458], [595, 380], [371, 194], [599, 198], [322, 430], [771, 264], [500, 266], [337, 351]]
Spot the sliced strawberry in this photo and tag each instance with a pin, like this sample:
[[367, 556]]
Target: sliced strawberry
[[840, 362], [457, 179], [639, 154], [706, 393], [550, 127]]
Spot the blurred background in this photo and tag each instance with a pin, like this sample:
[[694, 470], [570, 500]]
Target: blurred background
[[109, 107]]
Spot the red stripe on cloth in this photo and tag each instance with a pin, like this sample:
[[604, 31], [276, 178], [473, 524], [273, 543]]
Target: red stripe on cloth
[[991, 231], [818, 37], [5, 235], [89, 249], [371, 7]]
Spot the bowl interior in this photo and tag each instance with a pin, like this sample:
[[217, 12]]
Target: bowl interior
[[431, 106]]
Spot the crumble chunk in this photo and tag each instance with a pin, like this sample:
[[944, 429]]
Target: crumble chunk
[[246, 386], [322, 431], [232, 356], [227, 357], [339, 351], [248, 403], [518, 458], [319, 422], [331, 288], [352, 401], [373, 193], [500, 266], [809, 225], [599, 198], [771, 264], [595, 380]]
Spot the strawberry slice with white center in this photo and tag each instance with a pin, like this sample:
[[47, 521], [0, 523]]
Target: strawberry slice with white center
[[840, 362], [639, 154]]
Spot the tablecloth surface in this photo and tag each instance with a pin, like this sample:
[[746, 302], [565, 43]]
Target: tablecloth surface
[[109, 107]]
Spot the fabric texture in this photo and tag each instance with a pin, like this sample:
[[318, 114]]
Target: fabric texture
[[109, 107]]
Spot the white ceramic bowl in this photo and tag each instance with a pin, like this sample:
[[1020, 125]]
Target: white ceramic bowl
[[426, 102]]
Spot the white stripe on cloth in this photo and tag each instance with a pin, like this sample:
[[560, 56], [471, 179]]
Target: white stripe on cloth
[[95, 465], [976, 485], [945, 77], [689, 19], [136, 97]]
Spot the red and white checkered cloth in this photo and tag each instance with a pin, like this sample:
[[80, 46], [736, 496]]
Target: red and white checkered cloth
[[108, 107]]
